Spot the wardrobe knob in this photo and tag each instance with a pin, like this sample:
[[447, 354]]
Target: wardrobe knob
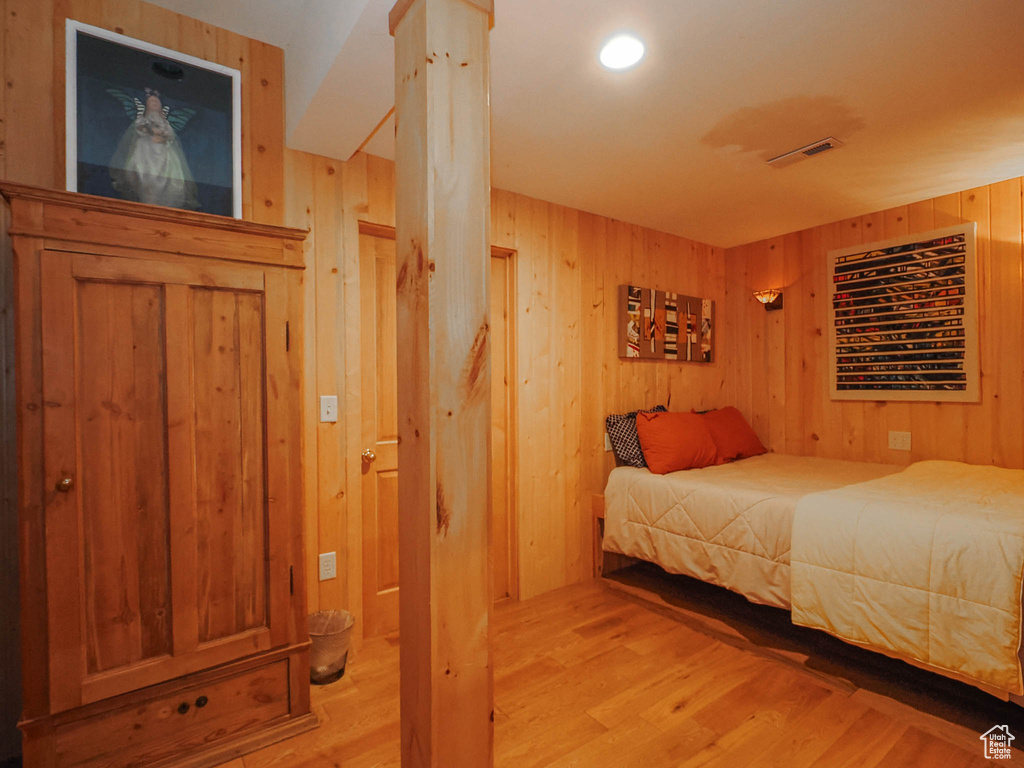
[[65, 484], [201, 702], [369, 456], [183, 708]]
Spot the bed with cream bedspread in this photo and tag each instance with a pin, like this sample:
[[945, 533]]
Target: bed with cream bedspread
[[728, 525], [926, 564]]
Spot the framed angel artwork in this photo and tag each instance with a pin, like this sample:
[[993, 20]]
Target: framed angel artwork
[[151, 125]]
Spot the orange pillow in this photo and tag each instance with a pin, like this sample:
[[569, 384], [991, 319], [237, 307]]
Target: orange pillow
[[733, 437], [674, 441]]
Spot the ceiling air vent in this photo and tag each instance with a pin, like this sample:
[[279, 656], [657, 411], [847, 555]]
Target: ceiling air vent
[[809, 151]]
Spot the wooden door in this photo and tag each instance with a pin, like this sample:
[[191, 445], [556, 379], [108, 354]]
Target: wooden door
[[380, 433], [159, 543], [501, 429]]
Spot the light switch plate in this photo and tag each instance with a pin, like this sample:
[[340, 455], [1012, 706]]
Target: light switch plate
[[328, 565], [328, 408], [899, 441], [607, 442]]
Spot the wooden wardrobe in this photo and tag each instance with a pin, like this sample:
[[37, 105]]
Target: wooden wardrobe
[[159, 494]]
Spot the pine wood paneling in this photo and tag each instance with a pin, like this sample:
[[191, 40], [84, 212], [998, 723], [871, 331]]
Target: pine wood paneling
[[566, 268], [263, 123], [30, 105], [1005, 379], [299, 212], [315, 199], [33, 102], [611, 253], [896, 415], [975, 206], [989, 432], [330, 334]]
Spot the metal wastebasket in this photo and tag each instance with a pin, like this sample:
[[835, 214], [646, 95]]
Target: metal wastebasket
[[330, 632]]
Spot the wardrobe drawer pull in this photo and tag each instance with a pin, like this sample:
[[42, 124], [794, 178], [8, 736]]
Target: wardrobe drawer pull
[[183, 708], [201, 702]]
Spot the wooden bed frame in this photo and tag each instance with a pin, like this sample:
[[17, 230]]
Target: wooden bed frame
[[605, 562]]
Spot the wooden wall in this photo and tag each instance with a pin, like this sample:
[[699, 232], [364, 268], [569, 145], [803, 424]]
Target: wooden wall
[[566, 271], [569, 377], [778, 371], [32, 106]]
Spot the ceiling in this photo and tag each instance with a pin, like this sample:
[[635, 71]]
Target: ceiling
[[927, 97]]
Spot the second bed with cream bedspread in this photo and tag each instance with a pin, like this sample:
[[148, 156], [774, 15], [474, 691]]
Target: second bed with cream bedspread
[[926, 564]]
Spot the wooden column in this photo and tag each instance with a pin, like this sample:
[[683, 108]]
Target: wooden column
[[442, 154]]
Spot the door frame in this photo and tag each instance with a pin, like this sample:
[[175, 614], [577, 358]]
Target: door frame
[[387, 232]]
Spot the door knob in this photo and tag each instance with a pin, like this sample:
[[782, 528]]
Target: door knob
[[369, 455], [65, 484]]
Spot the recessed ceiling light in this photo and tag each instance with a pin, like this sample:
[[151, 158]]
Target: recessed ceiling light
[[622, 52]]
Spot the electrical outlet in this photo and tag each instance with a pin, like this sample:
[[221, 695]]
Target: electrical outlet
[[328, 408], [899, 441], [328, 565], [607, 442]]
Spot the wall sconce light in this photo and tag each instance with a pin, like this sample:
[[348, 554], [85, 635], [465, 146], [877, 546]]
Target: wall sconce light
[[771, 298]]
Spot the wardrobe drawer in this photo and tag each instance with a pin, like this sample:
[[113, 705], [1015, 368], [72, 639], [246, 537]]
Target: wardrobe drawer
[[175, 724]]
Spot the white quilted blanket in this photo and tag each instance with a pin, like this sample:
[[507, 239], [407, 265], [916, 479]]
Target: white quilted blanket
[[926, 564], [729, 525]]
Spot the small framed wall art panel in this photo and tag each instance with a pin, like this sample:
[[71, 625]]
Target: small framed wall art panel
[[660, 325], [151, 125], [904, 318]]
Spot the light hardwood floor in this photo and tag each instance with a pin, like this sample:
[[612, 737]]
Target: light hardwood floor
[[649, 670]]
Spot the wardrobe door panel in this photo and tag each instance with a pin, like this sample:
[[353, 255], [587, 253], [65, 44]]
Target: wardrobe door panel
[[121, 410], [107, 511], [231, 536], [159, 537]]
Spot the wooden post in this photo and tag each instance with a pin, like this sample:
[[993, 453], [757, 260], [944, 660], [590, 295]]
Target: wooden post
[[442, 154]]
